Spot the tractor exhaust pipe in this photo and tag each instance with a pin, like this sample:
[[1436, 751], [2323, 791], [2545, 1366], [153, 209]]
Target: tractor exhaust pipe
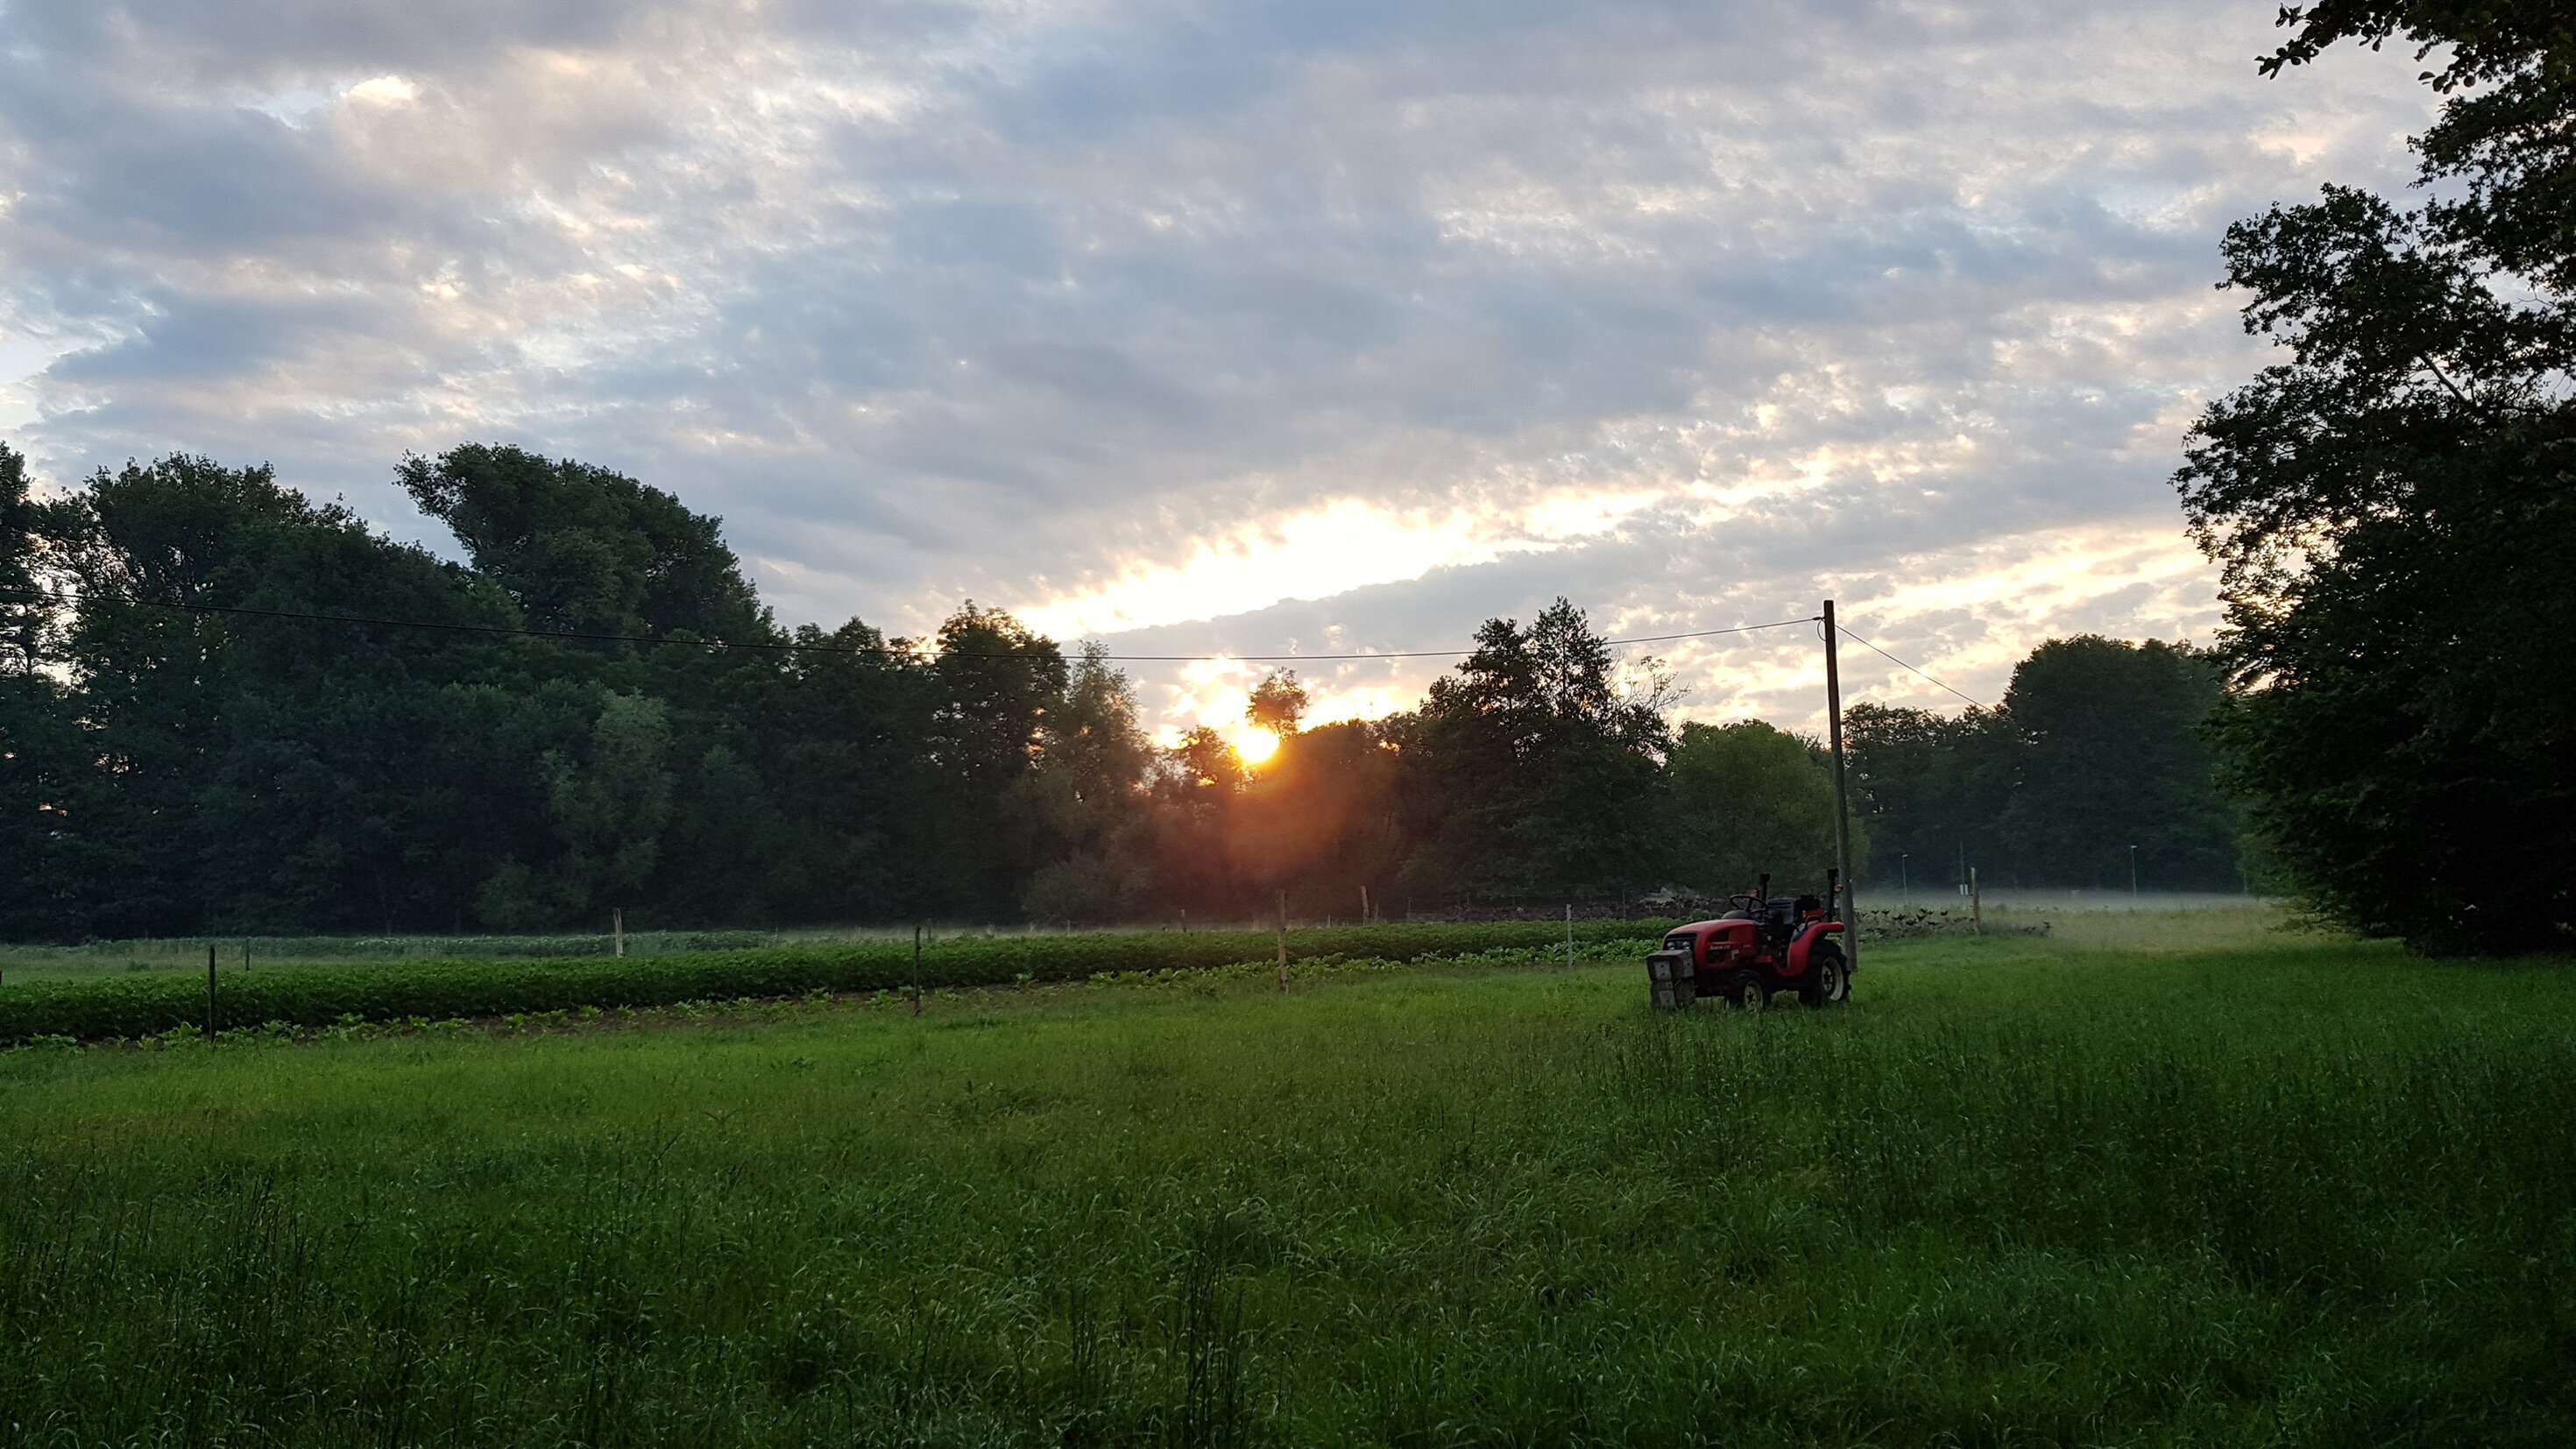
[[1762, 887]]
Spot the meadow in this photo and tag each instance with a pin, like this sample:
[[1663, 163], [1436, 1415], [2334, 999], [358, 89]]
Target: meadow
[[2149, 1179]]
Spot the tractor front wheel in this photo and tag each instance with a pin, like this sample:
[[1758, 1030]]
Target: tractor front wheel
[[1828, 980], [1746, 990]]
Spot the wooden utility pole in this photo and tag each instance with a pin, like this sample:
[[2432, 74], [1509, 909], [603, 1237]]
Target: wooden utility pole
[[1976, 904], [1283, 940], [1842, 804], [1569, 938], [1364, 905], [210, 991], [617, 928]]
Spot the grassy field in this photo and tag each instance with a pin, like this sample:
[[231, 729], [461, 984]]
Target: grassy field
[[2148, 1180]]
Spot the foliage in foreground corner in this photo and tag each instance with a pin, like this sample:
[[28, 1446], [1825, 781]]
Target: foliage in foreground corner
[[2395, 505]]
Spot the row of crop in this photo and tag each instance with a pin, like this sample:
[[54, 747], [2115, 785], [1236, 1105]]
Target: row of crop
[[320, 995], [185, 949]]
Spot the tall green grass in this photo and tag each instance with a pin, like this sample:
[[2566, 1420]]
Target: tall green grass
[[2021, 1191]]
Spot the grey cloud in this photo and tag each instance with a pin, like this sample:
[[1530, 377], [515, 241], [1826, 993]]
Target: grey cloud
[[222, 42], [935, 300], [188, 339]]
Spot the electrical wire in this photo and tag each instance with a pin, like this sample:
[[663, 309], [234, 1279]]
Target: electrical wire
[[785, 647], [1892, 659], [1435, 653]]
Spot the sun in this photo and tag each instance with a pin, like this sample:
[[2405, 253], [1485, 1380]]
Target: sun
[[1252, 746]]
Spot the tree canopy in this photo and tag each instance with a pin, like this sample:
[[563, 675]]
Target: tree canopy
[[2099, 745], [2395, 502]]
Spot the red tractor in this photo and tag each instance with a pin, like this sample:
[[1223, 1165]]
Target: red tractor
[[1766, 945]]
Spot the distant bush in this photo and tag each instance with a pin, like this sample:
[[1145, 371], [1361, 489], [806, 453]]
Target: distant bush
[[1906, 925], [136, 1006], [1086, 891]]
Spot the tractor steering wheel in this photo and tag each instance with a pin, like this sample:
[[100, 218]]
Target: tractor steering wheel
[[1741, 902]]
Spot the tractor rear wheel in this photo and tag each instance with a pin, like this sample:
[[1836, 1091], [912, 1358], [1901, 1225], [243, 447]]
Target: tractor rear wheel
[[1746, 990], [1828, 980]]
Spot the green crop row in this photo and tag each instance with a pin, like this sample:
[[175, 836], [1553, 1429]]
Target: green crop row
[[321, 995], [183, 950]]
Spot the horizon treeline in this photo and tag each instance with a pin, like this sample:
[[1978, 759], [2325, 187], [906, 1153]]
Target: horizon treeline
[[175, 761]]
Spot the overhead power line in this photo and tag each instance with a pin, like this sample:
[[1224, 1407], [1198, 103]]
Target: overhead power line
[[789, 646], [890, 651], [1433, 653], [1901, 664]]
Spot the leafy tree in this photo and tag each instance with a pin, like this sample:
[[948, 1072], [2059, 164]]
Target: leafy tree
[[1088, 795], [997, 689], [1277, 703], [1930, 787], [1205, 760], [1533, 772], [255, 771], [41, 769], [610, 806], [40, 748], [859, 799], [1093, 738], [2111, 756], [1194, 783], [25, 612], [585, 550], [2394, 504], [1319, 821], [1749, 799]]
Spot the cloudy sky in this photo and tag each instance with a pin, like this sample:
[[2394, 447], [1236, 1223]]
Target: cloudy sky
[[1282, 326]]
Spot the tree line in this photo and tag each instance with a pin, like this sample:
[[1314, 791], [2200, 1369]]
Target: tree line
[[594, 711]]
